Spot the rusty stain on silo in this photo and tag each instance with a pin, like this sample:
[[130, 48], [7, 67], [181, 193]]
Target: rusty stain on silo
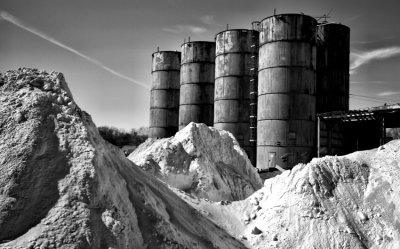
[[164, 95], [333, 55], [286, 91], [233, 65], [197, 83]]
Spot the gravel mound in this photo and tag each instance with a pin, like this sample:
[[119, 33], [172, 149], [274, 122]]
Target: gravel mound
[[333, 202], [63, 186], [201, 161]]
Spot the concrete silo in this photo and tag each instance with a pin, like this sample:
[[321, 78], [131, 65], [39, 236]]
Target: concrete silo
[[286, 127], [235, 55], [164, 95], [197, 83], [333, 55]]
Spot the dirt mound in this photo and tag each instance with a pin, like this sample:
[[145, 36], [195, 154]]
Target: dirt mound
[[201, 161], [63, 186], [332, 202]]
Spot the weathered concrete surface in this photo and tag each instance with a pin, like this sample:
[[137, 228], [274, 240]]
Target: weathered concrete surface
[[63, 186], [201, 161]]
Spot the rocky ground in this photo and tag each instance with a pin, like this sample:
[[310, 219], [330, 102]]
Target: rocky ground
[[201, 161], [63, 186]]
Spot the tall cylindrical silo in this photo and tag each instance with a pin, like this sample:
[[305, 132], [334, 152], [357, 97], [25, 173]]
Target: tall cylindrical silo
[[197, 83], [286, 126], [333, 55], [233, 65], [164, 94]]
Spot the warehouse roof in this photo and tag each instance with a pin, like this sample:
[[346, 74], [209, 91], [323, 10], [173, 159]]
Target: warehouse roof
[[389, 113]]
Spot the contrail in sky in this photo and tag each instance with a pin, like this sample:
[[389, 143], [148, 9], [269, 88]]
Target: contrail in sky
[[11, 19], [366, 57]]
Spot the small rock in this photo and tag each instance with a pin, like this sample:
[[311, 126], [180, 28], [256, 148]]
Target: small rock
[[47, 87], [254, 201], [275, 238], [256, 231], [349, 230], [36, 83], [19, 117], [256, 208], [253, 216], [66, 99], [363, 217], [60, 100]]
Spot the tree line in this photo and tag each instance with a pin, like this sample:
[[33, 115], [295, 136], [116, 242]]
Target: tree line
[[121, 138]]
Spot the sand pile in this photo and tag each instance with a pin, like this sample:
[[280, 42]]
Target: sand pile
[[332, 202], [62, 186], [201, 161]]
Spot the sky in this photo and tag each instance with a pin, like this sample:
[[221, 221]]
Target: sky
[[104, 47]]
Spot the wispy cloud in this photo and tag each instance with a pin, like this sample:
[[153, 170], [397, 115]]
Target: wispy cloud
[[207, 19], [388, 93], [377, 54], [380, 40], [11, 19], [179, 29]]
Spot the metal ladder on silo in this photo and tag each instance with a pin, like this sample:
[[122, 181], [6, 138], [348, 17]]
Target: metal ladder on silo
[[253, 94]]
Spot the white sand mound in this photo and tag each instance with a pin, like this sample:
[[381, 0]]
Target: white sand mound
[[332, 202], [63, 186], [201, 161]]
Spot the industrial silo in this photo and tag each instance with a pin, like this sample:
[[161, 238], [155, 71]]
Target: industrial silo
[[234, 62], [332, 89], [164, 95], [197, 83], [286, 127], [333, 55]]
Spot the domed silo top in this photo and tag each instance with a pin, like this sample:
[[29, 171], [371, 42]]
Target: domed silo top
[[288, 27], [166, 60], [198, 51], [235, 41], [335, 36]]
